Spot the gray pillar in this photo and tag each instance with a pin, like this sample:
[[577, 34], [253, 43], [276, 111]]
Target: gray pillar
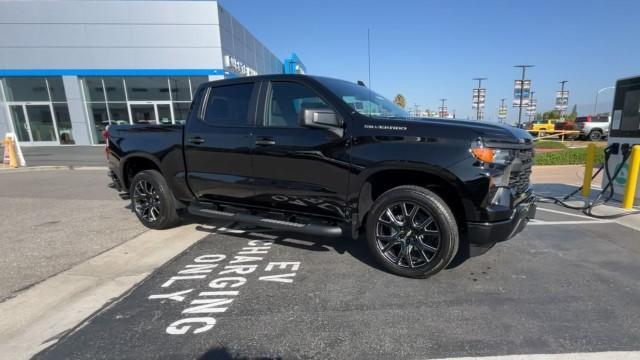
[[5, 118], [79, 124]]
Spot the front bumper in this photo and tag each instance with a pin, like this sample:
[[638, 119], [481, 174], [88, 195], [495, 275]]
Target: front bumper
[[489, 233]]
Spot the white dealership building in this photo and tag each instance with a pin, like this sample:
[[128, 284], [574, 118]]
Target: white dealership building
[[69, 68]]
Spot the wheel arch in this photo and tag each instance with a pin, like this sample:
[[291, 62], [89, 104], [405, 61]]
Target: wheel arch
[[135, 163], [443, 183]]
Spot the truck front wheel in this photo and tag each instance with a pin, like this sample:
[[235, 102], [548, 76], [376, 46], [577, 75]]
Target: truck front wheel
[[152, 200], [412, 232]]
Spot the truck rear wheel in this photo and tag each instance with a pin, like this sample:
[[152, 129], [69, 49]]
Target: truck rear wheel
[[152, 200], [412, 232], [595, 135]]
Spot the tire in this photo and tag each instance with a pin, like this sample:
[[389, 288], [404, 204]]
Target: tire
[[595, 135], [152, 200], [430, 236]]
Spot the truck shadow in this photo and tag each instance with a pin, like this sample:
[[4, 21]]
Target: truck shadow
[[345, 244]]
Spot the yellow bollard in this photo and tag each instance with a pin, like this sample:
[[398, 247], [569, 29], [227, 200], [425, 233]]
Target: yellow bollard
[[588, 170], [632, 178], [13, 158]]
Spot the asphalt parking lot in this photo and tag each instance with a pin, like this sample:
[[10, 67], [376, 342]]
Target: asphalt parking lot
[[567, 284], [55, 219]]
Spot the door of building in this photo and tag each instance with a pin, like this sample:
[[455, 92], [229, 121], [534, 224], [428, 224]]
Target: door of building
[[151, 112], [34, 123]]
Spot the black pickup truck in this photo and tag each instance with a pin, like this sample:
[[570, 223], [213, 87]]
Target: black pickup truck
[[329, 157]]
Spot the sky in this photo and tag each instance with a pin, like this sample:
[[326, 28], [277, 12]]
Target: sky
[[432, 49]]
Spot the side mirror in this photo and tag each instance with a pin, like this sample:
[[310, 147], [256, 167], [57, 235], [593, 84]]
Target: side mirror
[[322, 119]]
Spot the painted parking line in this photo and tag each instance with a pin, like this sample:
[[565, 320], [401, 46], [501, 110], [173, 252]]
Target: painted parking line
[[256, 293], [565, 213], [606, 355], [574, 222]]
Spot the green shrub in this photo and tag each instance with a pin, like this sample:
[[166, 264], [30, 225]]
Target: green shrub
[[548, 144], [567, 157]]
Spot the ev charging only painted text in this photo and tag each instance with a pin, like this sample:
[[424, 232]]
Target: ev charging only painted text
[[202, 308]]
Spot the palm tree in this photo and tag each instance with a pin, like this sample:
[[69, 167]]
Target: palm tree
[[400, 101]]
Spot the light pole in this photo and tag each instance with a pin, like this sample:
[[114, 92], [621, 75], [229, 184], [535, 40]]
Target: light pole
[[562, 97], [501, 116], [595, 109], [442, 108], [524, 67], [478, 103]]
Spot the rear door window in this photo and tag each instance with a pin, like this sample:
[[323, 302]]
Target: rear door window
[[229, 105]]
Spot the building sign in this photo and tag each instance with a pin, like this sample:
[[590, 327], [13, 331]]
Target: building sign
[[293, 65], [444, 112], [562, 100], [521, 92], [532, 107], [502, 112], [479, 96], [234, 65]]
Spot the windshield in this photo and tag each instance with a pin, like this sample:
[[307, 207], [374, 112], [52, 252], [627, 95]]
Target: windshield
[[362, 100]]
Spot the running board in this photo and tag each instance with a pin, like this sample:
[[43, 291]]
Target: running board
[[312, 229]]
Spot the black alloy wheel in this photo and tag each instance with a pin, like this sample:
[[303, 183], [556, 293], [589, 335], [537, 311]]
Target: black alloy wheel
[[146, 201], [407, 234], [152, 201], [412, 232]]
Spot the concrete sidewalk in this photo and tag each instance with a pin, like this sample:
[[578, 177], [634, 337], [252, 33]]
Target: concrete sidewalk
[[560, 180], [562, 174], [70, 155]]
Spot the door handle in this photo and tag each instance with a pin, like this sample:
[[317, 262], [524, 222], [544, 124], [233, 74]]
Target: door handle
[[196, 140], [265, 141]]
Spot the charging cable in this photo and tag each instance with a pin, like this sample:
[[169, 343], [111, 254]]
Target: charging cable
[[589, 205]]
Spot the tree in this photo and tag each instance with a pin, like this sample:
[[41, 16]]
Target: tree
[[400, 101], [550, 115], [574, 110]]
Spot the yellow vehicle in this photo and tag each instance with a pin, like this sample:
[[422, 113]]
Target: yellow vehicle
[[542, 127]]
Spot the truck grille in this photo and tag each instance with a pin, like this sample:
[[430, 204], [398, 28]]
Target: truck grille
[[521, 172]]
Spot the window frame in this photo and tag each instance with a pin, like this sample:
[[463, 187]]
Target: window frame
[[251, 118], [265, 104]]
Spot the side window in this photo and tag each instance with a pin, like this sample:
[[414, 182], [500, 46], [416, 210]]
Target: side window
[[228, 105], [286, 102]]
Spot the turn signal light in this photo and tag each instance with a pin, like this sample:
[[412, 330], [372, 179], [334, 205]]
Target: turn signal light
[[483, 154]]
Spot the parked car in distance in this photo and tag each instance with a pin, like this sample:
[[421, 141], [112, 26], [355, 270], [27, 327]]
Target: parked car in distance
[[566, 129], [327, 157], [593, 127], [542, 128]]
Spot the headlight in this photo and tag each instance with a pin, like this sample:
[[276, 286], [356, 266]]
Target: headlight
[[491, 155]]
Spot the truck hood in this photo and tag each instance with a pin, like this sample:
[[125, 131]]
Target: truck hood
[[493, 135]]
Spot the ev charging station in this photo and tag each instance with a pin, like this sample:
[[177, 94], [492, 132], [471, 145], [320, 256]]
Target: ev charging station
[[624, 133]]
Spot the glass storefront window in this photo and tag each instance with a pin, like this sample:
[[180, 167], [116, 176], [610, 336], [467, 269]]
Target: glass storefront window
[[93, 89], [41, 123], [26, 89], [115, 89], [181, 111], [180, 88], [56, 89], [19, 122], [119, 113], [147, 88], [197, 81], [99, 118], [61, 112], [38, 114]]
